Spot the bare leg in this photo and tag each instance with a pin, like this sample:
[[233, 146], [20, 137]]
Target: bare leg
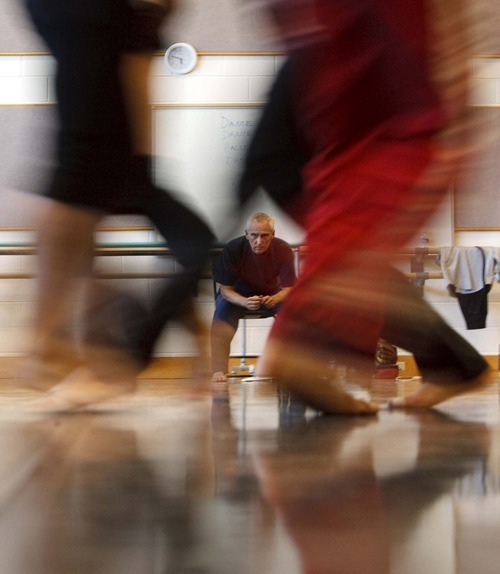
[[198, 329], [306, 375], [66, 250], [65, 254], [221, 335], [80, 389]]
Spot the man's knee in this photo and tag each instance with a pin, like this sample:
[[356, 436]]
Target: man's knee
[[221, 328], [227, 312]]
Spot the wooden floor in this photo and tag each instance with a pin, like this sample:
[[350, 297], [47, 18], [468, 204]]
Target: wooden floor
[[241, 480]]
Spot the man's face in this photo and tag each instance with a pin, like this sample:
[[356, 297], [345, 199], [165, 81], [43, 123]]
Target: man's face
[[259, 236]]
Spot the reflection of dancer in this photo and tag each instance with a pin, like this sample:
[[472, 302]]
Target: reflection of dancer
[[103, 51], [96, 503], [332, 507], [344, 517], [378, 165]]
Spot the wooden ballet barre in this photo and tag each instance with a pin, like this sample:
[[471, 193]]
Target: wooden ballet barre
[[114, 249], [420, 251], [124, 275], [106, 249], [155, 275], [426, 251], [21, 249], [425, 275], [163, 249], [118, 249], [132, 249]]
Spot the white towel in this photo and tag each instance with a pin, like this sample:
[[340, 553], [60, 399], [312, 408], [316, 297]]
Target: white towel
[[463, 267]]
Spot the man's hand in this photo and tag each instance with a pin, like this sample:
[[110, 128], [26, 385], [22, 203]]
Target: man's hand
[[254, 302], [269, 301]]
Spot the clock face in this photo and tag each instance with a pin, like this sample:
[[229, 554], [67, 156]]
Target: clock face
[[180, 58]]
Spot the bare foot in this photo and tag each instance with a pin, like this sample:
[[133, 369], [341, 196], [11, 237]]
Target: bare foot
[[430, 394], [42, 373], [79, 390], [348, 405], [50, 403], [305, 373], [219, 377]]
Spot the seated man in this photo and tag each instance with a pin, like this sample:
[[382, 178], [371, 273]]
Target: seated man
[[255, 273]]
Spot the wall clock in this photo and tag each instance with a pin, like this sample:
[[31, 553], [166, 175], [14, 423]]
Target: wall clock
[[181, 58]]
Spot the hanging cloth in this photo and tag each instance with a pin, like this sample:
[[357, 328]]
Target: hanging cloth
[[469, 272]]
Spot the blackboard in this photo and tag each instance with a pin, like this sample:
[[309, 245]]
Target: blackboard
[[210, 25]]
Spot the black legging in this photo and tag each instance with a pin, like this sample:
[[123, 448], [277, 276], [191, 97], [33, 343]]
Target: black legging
[[441, 354]]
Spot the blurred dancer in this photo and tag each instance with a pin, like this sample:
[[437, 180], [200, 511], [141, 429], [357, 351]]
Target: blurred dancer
[[103, 51], [380, 97], [355, 504]]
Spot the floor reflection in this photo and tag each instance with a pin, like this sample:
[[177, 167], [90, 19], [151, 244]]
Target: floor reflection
[[245, 480]]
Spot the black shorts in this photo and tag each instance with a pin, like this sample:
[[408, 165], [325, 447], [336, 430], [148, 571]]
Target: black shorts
[[95, 162]]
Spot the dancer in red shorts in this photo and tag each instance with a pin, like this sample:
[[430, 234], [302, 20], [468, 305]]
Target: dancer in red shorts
[[385, 132]]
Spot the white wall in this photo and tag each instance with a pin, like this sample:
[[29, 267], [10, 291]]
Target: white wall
[[29, 79]]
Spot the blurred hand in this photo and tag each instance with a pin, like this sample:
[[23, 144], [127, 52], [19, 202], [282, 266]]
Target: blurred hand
[[269, 301], [253, 303]]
